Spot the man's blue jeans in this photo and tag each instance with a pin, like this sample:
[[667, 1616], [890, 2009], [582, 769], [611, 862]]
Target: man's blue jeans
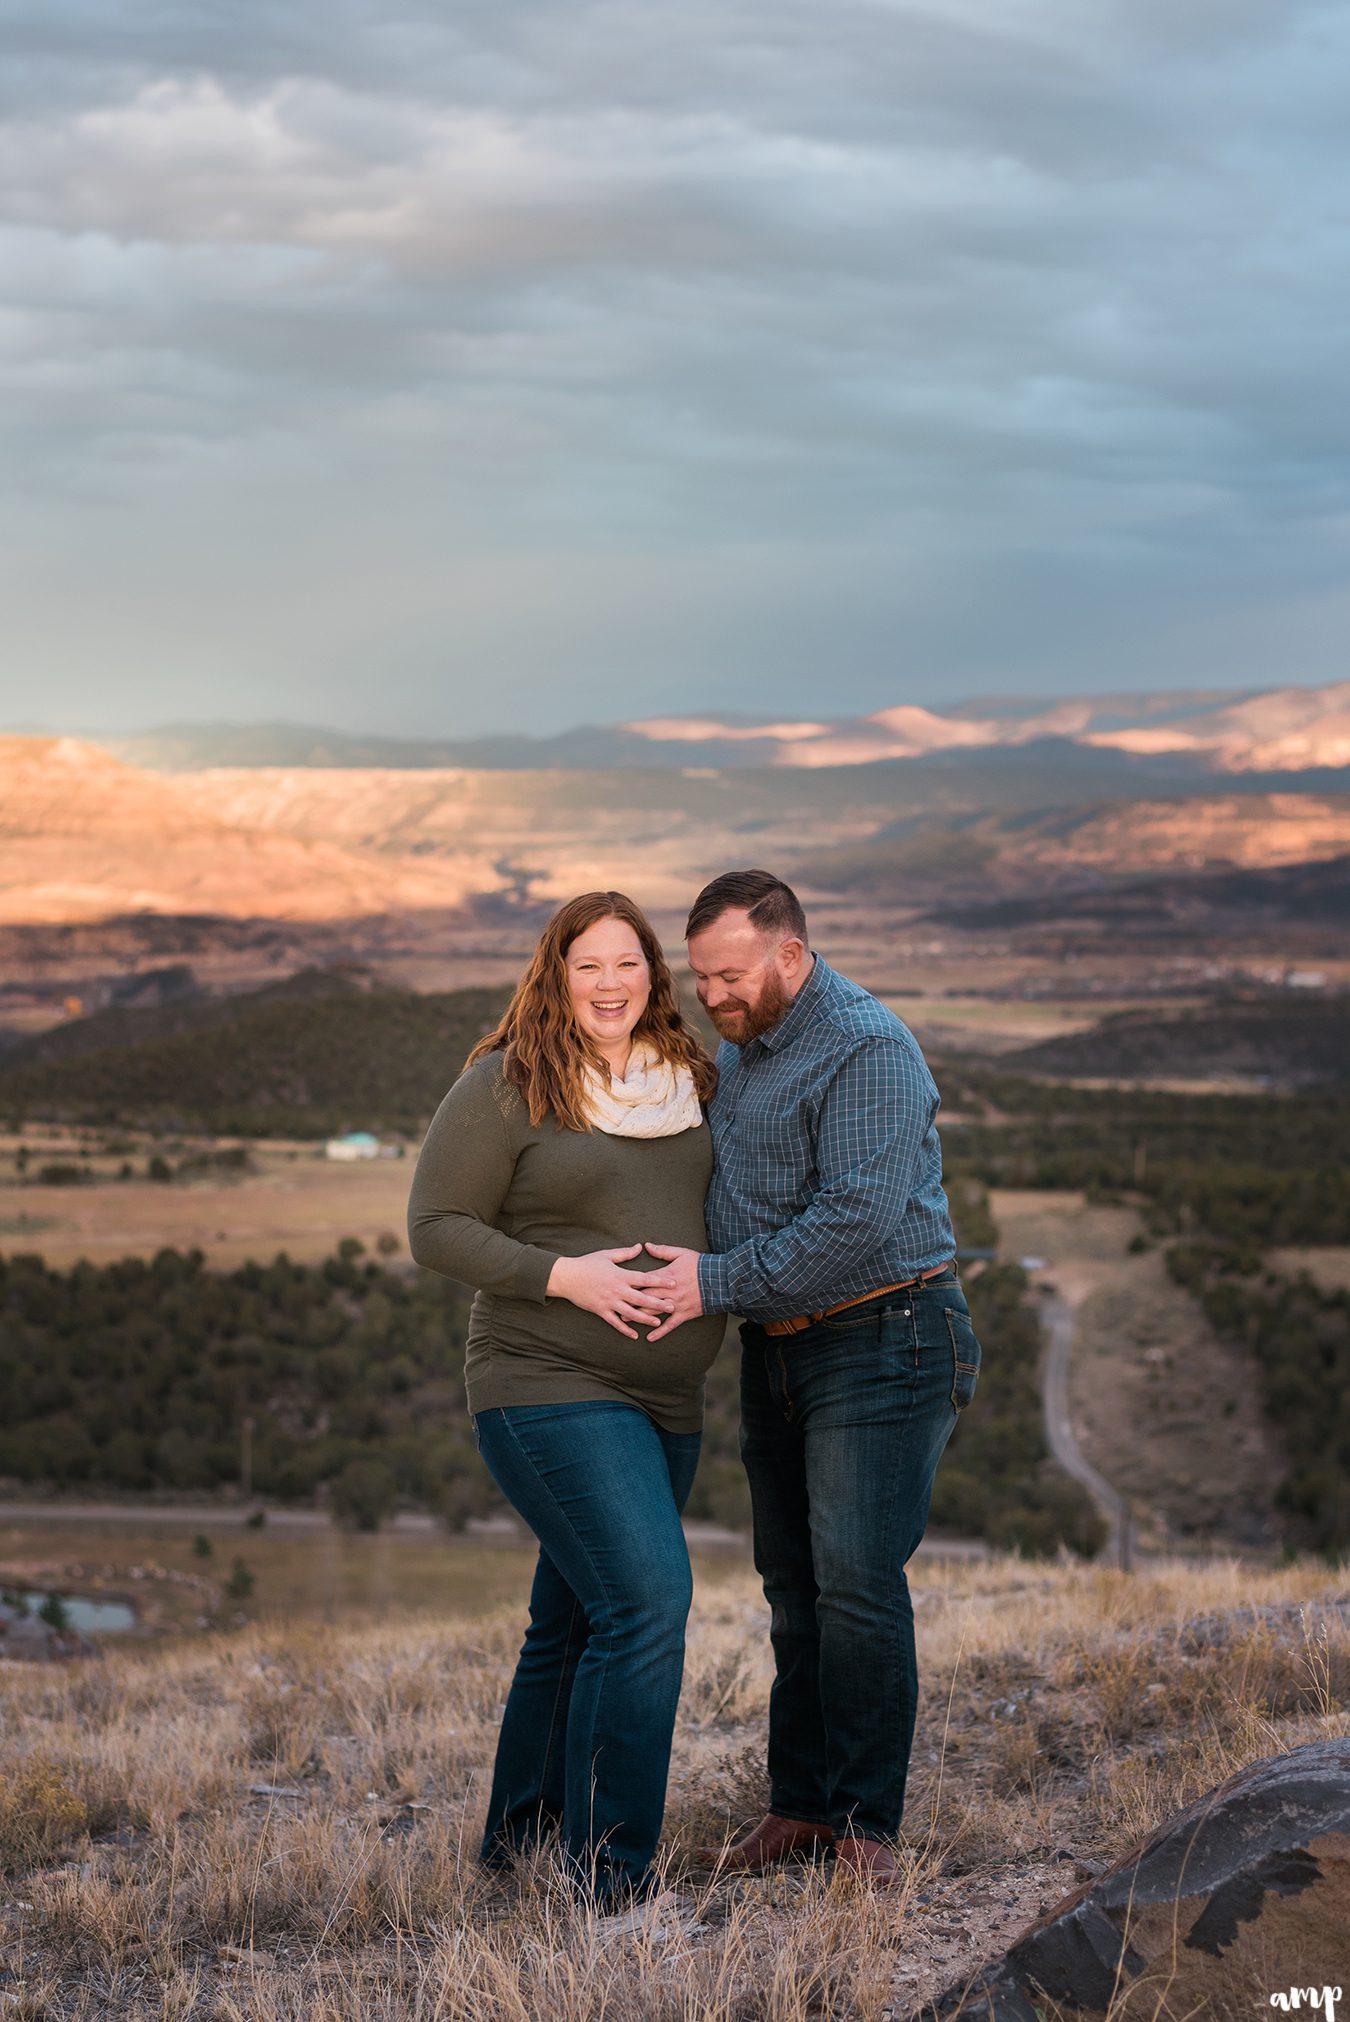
[[842, 1427], [585, 1740]]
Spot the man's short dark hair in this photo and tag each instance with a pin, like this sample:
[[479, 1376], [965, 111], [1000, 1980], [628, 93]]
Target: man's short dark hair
[[773, 906]]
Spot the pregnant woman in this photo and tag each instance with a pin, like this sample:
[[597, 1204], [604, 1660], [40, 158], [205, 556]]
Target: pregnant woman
[[575, 1134]]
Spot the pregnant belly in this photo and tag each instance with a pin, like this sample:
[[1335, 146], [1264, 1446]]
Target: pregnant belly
[[582, 1341]]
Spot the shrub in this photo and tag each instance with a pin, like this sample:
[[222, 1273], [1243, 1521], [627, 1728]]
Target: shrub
[[54, 1612], [364, 1494], [39, 1814], [240, 1583]]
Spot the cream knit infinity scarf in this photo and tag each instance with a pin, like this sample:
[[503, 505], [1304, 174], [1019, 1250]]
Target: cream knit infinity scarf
[[654, 1099]]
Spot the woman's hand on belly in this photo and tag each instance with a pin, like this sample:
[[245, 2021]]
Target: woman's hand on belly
[[598, 1284]]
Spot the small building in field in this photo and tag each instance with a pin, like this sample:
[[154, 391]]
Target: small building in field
[[352, 1145]]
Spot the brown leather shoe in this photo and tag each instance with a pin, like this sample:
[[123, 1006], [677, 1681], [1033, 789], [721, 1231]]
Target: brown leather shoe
[[869, 1861], [773, 1839]]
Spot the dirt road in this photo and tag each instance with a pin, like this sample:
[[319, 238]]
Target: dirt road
[[1058, 1318]]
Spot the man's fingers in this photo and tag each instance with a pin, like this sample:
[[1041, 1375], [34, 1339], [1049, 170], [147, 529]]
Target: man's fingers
[[666, 1327]]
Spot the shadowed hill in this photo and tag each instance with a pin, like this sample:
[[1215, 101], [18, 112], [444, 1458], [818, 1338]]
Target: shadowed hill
[[1288, 1041], [1008, 865], [316, 1054], [1310, 893]]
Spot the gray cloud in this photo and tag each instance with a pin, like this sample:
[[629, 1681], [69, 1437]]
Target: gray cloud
[[484, 372]]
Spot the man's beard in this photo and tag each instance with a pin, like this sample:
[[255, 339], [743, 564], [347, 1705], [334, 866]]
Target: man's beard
[[740, 1022]]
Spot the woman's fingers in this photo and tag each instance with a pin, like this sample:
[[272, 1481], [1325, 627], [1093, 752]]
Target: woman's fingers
[[639, 1285], [622, 1256]]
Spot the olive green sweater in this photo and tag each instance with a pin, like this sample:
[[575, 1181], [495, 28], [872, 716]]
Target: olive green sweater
[[496, 1201]]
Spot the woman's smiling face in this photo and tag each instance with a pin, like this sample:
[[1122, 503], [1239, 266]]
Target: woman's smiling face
[[610, 983]]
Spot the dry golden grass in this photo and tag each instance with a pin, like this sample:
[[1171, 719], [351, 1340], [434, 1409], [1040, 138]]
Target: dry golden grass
[[294, 1199], [1067, 1710]]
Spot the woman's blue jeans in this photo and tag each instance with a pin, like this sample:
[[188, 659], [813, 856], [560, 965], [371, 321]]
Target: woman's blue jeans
[[584, 1748], [842, 1428]]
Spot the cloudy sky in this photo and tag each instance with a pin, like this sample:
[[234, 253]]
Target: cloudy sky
[[524, 363]]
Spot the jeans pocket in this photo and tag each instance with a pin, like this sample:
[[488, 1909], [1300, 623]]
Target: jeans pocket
[[965, 1356]]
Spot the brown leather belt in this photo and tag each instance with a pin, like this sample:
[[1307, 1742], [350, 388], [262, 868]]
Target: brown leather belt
[[802, 1321]]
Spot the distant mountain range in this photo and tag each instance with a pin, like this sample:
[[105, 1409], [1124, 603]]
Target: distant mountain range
[[1290, 729], [906, 807]]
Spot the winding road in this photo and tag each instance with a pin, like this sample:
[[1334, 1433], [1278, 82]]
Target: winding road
[[1058, 1319]]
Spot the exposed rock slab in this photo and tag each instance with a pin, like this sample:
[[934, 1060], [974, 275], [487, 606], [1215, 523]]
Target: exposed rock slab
[[1244, 1894]]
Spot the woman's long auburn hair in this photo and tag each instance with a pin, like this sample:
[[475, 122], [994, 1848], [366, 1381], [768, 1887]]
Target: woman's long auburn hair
[[546, 1052]]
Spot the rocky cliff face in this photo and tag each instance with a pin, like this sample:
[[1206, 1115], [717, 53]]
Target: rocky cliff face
[[86, 837]]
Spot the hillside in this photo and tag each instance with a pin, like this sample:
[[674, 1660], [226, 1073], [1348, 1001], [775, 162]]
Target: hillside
[[132, 1378], [318, 1054], [1289, 1041], [88, 837], [1090, 848], [85, 836], [280, 1822], [1179, 902]]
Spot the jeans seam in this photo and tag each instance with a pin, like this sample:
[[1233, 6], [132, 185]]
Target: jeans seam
[[893, 1664], [550, 1746]]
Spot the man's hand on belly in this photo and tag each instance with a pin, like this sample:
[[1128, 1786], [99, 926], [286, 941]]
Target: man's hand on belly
[[678, 1282]]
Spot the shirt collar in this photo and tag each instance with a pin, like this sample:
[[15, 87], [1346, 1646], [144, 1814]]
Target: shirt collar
[[802, 1008]]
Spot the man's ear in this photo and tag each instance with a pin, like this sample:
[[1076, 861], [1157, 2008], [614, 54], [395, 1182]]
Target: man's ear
[[792, 953]]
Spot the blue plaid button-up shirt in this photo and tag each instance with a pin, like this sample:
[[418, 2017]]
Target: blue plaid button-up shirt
[[828, 1177]]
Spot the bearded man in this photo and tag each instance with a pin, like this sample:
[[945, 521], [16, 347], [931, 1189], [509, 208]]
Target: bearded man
[[833, 1242]]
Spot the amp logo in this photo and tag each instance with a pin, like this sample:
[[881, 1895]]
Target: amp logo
[[1313, 2000]]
